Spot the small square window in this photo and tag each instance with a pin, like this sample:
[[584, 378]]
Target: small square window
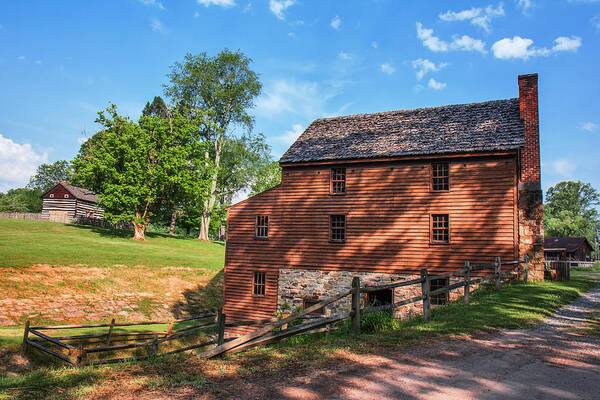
[[440, 177], [310, 303], [440, 228], [338, 180], [259, 284], [262, 227], [337, 228], [381, 297], [439, 298]]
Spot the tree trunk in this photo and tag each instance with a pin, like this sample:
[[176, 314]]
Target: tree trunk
[[187, 230], [139, 231], [210, 204], [173, 220]]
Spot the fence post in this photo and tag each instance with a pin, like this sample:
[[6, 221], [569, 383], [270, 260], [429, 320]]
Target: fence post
[[220, 327], [525, 270], [80, 356], [112, 324], [356, 305], [25, 338], [170, 329], [497, 269], [467, 281], [426, 298], [155, 345]]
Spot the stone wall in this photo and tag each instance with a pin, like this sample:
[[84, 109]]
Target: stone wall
[[531, 230]]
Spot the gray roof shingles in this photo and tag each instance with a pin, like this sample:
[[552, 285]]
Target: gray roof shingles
[[80, 193], [488, 126]]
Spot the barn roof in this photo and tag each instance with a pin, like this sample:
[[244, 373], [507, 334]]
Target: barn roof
[[570, 244], [77, 192], [488, 126]]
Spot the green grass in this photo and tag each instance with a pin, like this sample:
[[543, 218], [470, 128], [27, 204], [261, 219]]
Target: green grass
[[513, 306], [24, 243]]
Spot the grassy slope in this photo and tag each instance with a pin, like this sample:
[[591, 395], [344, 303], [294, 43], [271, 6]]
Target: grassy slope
[[513, 306], [24, 243]]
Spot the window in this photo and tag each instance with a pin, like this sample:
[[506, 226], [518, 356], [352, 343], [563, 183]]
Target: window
[[66, 196], [310, 303], [440, 228], [262, 227], [259, 284], [338, 180], [440, 177], [381, 297], [52, 195], [440, 298], [337, 227]]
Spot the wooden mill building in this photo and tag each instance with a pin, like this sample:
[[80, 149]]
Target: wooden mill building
[[567, 249], [65, 202], [382, 195]]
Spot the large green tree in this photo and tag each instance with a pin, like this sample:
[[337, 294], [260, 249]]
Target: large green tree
[[47, 175], [21, 200], [137, 167], [268, 176], [226, 87], [570, 209]]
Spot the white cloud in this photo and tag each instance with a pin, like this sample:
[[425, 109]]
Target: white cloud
[[387, 68], [433, 84], [480, 17], [434, 43], [344, 56], [589, 126], [374, 45], [564, 167], [152, 3], [17, 163], [293, 97], [291, 135], [220, 3], [423, 66], [278, 7], [21, 58], [336, 22], [467, 43], [525, 5], [564, 43], [157, 26], [522, 48]]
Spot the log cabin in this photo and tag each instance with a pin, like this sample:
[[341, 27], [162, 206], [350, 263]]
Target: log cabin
[[383, 195], [567, 249], [65, 203]]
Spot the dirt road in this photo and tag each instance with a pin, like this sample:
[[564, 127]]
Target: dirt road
[[553, 361]]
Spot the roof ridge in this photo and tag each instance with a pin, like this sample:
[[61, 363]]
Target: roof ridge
[[350, 116]]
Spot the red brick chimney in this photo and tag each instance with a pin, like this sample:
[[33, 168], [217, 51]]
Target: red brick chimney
[[530, 208], [528, 104]]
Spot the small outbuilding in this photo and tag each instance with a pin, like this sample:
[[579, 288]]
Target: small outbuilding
[[567, 249], [65, 203]]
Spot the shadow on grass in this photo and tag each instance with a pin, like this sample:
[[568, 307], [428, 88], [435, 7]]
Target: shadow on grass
[[126, 234], [201, 298]]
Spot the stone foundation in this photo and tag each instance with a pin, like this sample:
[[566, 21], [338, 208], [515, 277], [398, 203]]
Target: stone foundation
[[299, 285], [531, 230]]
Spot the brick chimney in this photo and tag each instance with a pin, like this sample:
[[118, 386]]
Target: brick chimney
[[530, 209]]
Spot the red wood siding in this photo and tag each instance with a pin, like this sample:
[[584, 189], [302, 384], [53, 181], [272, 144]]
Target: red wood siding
[[58, 192], [387, 207]]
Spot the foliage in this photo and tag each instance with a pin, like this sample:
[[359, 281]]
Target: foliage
[[21, 200], [570, 210], [137, 166], [225, 86], [157, 108], [47, 175], [267, 176]]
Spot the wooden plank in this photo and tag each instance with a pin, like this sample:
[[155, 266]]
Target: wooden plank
[[110, 330], [392, 306], [367, 289], [221, 328], [425, 285], [25, 337], [497, 266], [119, 347], [448, 275], [51, 339], [447, 288], [120, 324], [356, 306], [467, 292], [252, 322], [195, 346], [266, 329], [51, 352]]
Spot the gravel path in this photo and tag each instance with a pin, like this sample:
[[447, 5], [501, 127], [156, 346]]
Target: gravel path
[[552, 361]]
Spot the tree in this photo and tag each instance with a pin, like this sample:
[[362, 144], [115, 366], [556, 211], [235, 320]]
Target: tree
[[570, 210], [47, 175], [268, 176], [21, 200], [157, 108], [226, 87], [136, 167]]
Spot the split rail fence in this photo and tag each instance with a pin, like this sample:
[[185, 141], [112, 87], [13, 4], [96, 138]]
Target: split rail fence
[[272, 329]]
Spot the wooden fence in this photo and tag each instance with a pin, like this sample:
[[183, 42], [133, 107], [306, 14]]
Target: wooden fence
[[272, 329], [29, 216]]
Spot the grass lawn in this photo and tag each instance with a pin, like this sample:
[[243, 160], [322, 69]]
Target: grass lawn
[[24, 243], [513, 306]]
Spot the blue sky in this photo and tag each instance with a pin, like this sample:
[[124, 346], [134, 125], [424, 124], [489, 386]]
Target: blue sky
[[62, 61]]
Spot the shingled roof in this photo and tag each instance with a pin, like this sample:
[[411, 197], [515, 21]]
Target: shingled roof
[[79, 192], [570, 244], [489, 126]]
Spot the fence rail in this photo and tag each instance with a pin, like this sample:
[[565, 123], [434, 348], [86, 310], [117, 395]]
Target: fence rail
[[29, 216]]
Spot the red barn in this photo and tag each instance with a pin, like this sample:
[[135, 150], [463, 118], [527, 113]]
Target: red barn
[[65, 202], [383, 195]]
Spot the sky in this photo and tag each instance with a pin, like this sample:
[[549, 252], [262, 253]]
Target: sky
[[63, 61]]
